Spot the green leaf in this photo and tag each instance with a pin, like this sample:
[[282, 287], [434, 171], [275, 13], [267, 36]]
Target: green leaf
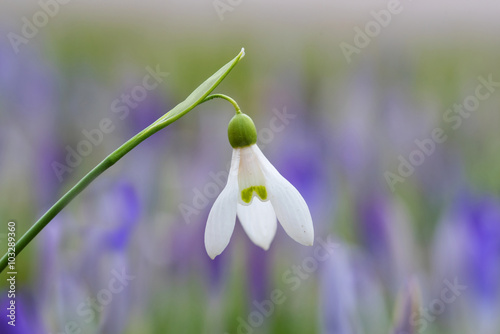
[[199, 94]]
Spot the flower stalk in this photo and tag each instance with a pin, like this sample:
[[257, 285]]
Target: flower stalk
[[225, 97]]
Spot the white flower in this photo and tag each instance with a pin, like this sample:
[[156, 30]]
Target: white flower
[[258, 194]]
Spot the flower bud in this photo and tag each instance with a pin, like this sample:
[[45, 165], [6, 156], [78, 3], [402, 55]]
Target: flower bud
[[241, 131]]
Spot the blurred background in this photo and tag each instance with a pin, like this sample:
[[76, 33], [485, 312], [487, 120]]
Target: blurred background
[[383, 114]]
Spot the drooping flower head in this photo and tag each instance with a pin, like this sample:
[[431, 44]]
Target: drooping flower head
[[258, 194]]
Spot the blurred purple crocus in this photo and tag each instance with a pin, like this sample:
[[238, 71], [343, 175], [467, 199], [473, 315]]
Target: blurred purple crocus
[[386, 234], [338, 295], [105, 258], [407, 308], [467, 246], [259, 275], [27, 317], [350, 293]]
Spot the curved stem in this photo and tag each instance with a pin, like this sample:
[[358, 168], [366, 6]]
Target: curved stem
[[225, 97], [109, 161]]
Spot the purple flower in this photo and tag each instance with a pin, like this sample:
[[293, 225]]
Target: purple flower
[[338, 295], [26, 314], [386, 234], [467, 246], [407, 307], [259, 275]]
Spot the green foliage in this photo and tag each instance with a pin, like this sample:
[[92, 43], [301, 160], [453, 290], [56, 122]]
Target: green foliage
[[200, 93]]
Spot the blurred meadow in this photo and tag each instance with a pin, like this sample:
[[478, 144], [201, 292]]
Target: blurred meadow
[[395, 148]]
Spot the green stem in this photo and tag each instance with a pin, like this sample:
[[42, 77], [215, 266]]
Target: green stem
[[225, 97], [109, 161]]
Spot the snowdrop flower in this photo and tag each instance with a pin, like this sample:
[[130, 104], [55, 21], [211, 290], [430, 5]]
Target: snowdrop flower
[[258, 194]]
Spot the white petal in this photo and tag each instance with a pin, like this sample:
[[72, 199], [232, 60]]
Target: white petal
[[222, 216], [290, 207], [259, 222], [251, 181]]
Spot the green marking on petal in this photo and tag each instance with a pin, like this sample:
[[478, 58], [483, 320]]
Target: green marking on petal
[[261, 192], [246, 194]]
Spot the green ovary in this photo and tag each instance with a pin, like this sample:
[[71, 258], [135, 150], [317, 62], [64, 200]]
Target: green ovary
[[246, 194]]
